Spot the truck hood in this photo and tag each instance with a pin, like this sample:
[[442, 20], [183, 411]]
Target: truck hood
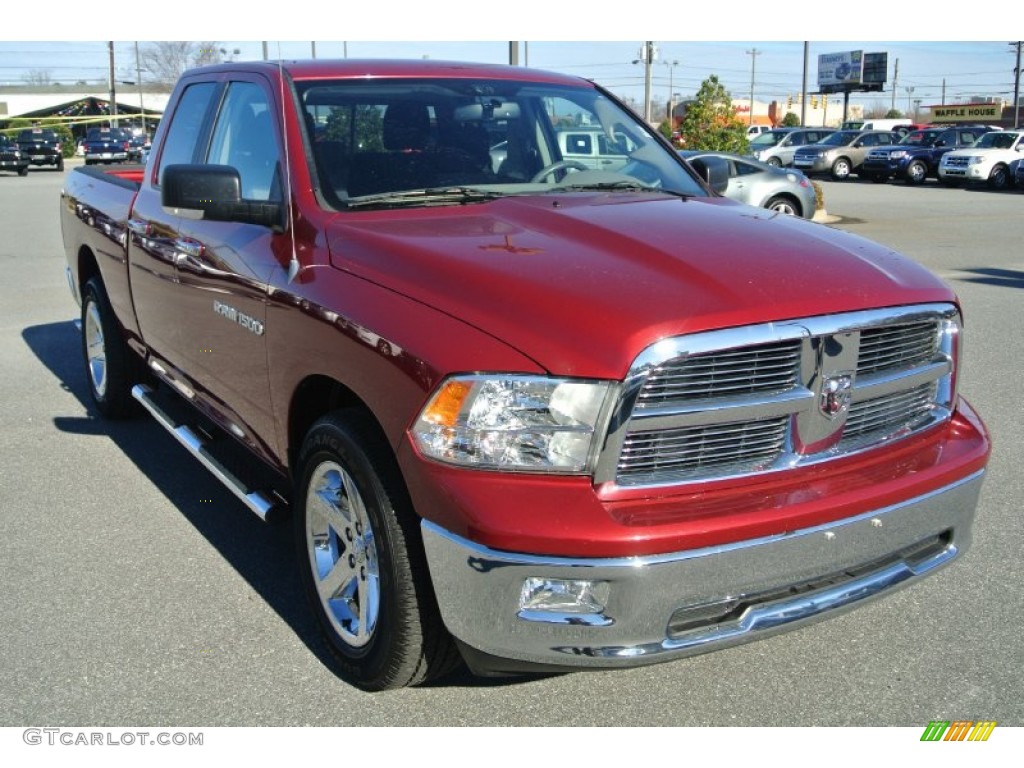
[[583, 282]]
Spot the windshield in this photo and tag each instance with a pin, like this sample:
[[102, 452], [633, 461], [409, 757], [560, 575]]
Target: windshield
[[840, 138], [921, 138], [768, 139], [374, 142], [996, 140]]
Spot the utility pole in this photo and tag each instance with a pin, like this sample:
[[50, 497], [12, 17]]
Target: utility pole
[[648, 60], [910, 93], [1016, 88], [754, 53], [265, 54], [513, 53], [895, 83], [112, 110], [803, 88], [138, 79], [312, 46]]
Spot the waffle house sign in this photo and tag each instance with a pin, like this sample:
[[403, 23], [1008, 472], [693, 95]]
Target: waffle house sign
[[967, 113]]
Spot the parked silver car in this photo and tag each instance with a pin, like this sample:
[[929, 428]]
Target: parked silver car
[[777, 146], [841, 153], [755, 183]]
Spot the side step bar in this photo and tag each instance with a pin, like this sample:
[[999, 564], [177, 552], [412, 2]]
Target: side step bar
[[263, 505]]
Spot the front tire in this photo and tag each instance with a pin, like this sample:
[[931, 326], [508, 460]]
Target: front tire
[[999, 178], [917, 172], [108, 360], [841, 169], [774, 162], [361, 558]]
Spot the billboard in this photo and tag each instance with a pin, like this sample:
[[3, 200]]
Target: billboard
[[840, 71]]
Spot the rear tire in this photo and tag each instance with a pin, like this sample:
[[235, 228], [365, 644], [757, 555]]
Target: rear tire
[[23, 171], [109, 363], [60, 164], [774, 162], [361, 558], [784, 204]]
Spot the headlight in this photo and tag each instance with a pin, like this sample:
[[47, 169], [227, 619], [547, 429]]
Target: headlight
[[897, 154], [975, 159], [513, 423]]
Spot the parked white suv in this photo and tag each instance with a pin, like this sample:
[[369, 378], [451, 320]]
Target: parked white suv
[[988, 160]]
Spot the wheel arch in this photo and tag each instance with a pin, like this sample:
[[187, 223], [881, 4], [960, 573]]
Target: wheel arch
[[88, 267], [316, 396], [788, 197]]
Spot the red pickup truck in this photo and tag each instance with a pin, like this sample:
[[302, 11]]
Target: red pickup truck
[[523, 412]]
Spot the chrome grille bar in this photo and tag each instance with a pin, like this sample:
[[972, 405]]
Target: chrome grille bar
[[732, 402]]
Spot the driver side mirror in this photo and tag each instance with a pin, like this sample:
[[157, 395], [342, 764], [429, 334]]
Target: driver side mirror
[[714, 170], [216, 192]]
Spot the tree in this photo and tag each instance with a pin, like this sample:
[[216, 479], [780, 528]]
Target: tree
[[359, 128], [791, 120], [711, 122], [38, 77], [166, 60], [893, 114]]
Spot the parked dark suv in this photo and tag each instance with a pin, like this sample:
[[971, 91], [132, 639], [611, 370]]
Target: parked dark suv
[[12, 158], [917, 156], [42, 147]]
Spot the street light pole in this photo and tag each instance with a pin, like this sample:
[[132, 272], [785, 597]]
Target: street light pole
[[671, 87], [910, 93]]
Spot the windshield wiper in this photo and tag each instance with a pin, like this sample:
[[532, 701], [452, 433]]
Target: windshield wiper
[[625, 186], [431, 196]]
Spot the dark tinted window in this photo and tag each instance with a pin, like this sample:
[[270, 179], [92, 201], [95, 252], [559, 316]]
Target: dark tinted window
[[183, 133]]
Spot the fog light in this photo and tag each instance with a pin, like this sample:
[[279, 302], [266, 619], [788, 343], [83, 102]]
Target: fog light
[[564, 596]]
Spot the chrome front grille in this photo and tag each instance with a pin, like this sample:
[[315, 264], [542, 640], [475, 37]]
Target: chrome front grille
[[770, 397], [687, 451], [884, 416], [956, 162], [898, 346], [764, 368]]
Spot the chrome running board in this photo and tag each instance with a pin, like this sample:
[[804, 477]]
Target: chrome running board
[[259, 502]]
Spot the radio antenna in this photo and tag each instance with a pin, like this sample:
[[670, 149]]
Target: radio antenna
[[293, 265]]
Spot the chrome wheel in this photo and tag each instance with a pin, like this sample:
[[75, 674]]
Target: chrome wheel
[[783, 205], [916, 173], [109, 363], [95, 349], [343, 554], [774, 162], [841, 169], [999, 178]]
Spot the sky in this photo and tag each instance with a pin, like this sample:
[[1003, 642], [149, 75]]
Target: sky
[[694, 43]]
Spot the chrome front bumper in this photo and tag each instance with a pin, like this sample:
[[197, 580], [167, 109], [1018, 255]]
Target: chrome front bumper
[[668, 606]]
